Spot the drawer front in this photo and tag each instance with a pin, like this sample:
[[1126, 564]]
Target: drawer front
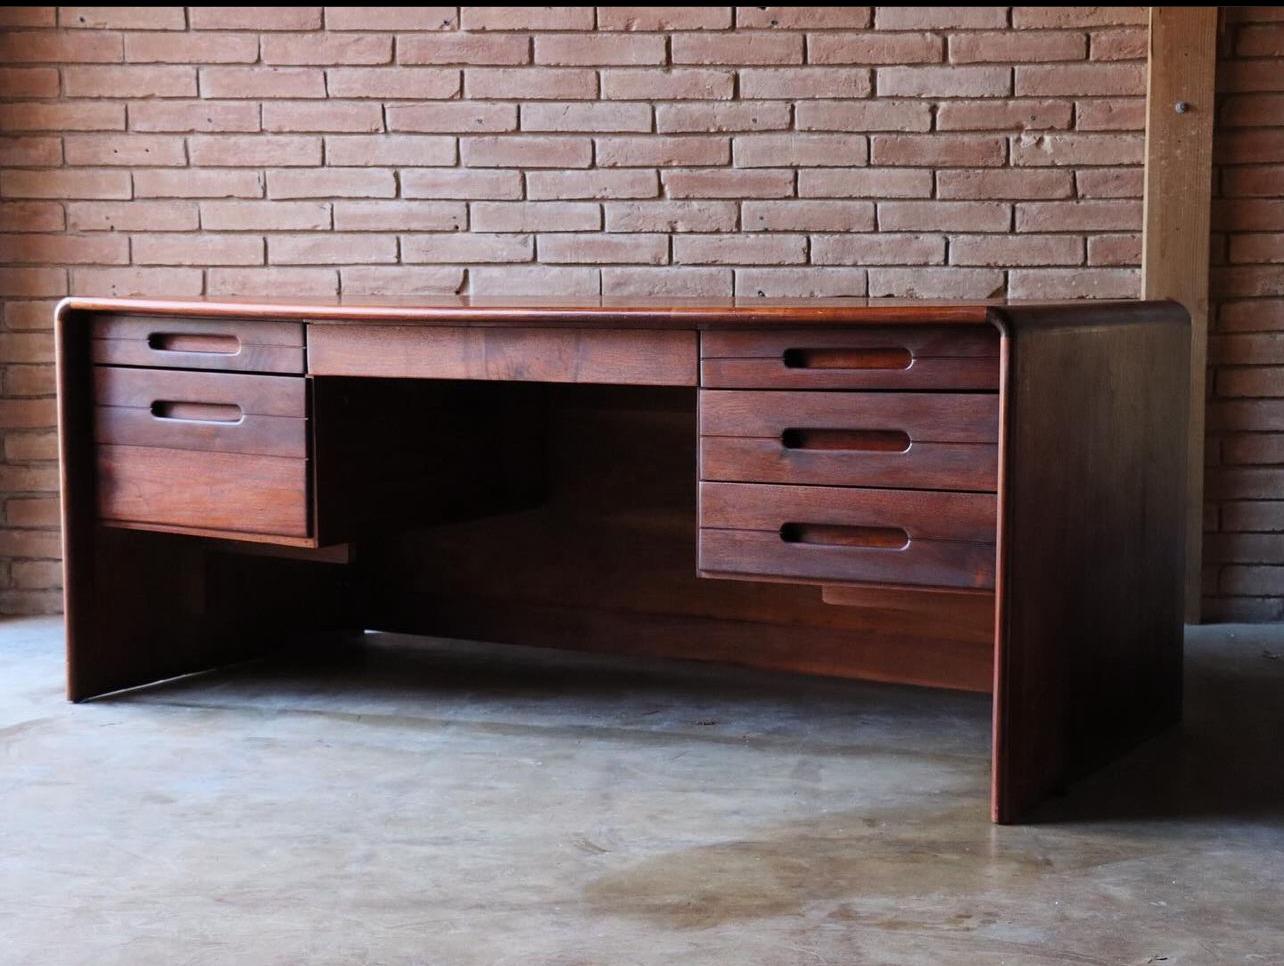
[[912, 440], [203, 491], [226, 344], [848, 535], [208, 411], [908, 357]]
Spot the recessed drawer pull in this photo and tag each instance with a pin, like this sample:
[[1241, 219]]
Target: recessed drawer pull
[[825, 534], [860, 440], [226, 345], [198, 412], [882, 358]]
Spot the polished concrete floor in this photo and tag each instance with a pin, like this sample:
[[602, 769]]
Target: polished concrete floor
[[443, 803]]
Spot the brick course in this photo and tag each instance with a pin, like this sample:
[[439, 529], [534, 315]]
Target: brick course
[[907, 151]]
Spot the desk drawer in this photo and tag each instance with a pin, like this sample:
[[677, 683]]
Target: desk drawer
[[227, 344], [906, 357], [208, 411], [848, 535], [939, 441], [202, 491]]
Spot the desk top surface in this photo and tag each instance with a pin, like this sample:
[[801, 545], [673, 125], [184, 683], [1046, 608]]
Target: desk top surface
[[672, 313]]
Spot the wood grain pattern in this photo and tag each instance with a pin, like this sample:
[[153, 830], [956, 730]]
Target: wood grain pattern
[[248, 345], [625, 357], [254, 395], [209, 491]]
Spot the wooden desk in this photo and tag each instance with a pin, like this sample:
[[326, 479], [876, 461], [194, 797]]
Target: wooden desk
[[977, 496]]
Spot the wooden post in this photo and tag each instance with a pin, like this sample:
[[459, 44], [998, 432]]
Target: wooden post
[[1175, 240]]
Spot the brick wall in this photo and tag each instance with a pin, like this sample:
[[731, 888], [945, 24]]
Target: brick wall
[[1244, 554], [909, 151]]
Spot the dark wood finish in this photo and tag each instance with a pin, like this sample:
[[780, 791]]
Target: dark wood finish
[[234, 345], [516, 504], [1091, 535], [628, 357], [143, 485], [921, 357]]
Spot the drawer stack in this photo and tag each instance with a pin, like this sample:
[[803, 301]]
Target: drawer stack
[[201, 426], [866, 456]]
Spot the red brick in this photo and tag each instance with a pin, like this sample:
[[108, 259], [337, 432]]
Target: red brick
[[460, 117], [728, 183], [944, 81], [1264, 516], [128, 81], [467, 248], [864, 183], [759, 83], [1074, 80], [1017, 46], [1001, 251], [1109, 182], [391, 150], [1029, 115], [31, 544], [575, 50], [803, 18], [1259, 382], [62, 116], [801, 282], [934, 150], [32, 282], [31, 152], [328, 115], [874, 48], [25, 347], [526, 152], [131, 216], [1250, 75], [198, 250], [62, 47], [527, 18], [601, 116], [460, 183], [30, 602], [31, 216], [124, 282], [1250, 110], [1257, 248], [1249, 315], [617, 249], [131, 150], [195, 116], [944, 216], [808, 216], [937, 18], [674, 282], [30, 81], [878, 248], [405, 83], [872, 115], [330, 248], [592, 184], [935, 283], [237, 151], [30, 16], [123, 18], [1248, 280], [86, 183], [1077, 149], [1249, 214], [37, 575], [28, 315], [660, 151], [1074, 283], [530, 83], [662, 85], [197, 184], [1005, 183], [1058, 17], [166, 48], [741, 48], [1123, 114], [1255, 145], [248, 282], [671, 216], [265, 216], [400, 281], [726, 249], [262, 82], [523, 216], [455, 48], [663, 18], [700, 118], [332, 183], [1113, 215], [391, 18], [326, 49], [255, 18], [535, 280], [1125, 44], [1114, 249], [800, 150], [32, 512], [1266, 40]]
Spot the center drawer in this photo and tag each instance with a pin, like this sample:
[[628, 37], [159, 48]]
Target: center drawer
[[933, 441], [202, 451]]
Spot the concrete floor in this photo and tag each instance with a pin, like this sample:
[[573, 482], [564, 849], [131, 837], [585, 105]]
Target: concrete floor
[[438, 803]]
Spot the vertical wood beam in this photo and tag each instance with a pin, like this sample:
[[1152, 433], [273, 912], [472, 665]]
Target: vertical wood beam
[[1178, 196]]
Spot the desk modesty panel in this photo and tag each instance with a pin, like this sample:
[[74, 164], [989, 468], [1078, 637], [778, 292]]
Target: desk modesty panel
[[981, 496]]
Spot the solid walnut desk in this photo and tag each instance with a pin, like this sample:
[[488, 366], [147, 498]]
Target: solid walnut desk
[[975, 496]]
